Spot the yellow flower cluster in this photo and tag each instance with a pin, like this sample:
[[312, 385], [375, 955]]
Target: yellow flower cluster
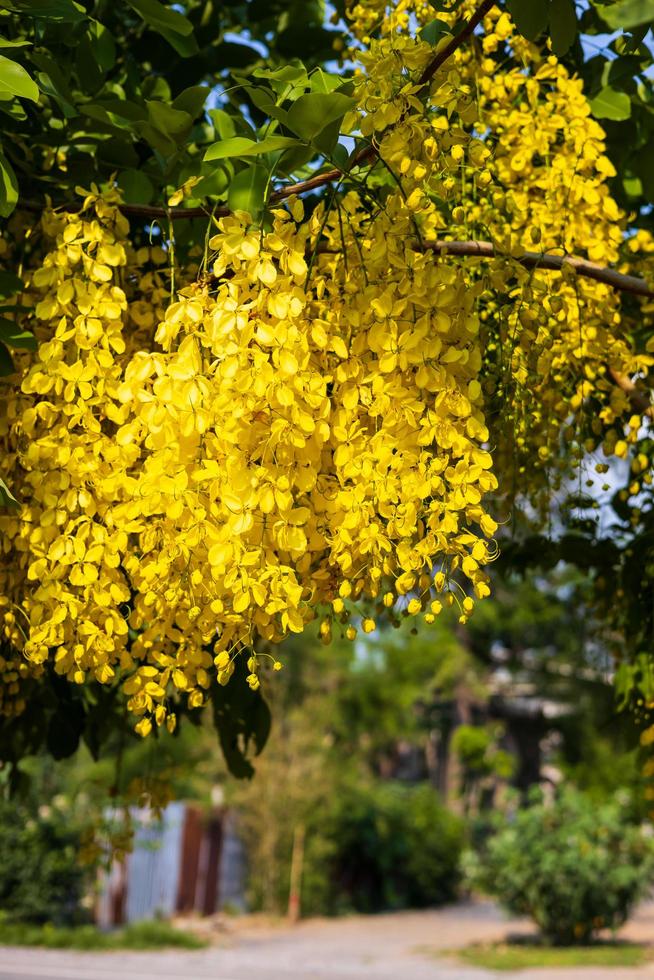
[[288, 447], [64, 595], [552, 342], [557, 335]]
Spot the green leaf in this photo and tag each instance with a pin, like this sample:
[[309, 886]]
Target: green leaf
[[529, 16], [214, 184], [247, 191], [10, 284], [54, 82], [633, 39], [156, 87], [7, 499], [311, 113], [628, 14], [241, 718], [118, 153], [60, 11], [6, 43], [241, 146], [15, 81], [321, 81], [184, 44], [563, 26], [116, 112], [633, 186], [234, 147], [626, 66], [14, 336], [340, 156], [192, 100], [136, 187], [87, 68], [285, 79], [294, 159], [264, 99], [224, 124], [166, 129], [434, 31], [8, 187], [103, 44], [161, 18], [327, 139], [6, 362], [609, 104], [172, 122]]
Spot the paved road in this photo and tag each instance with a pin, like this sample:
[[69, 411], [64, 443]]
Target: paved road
[[401, 946]]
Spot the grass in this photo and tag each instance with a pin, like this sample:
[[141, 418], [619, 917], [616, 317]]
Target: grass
[[139, 935], [523, 955]]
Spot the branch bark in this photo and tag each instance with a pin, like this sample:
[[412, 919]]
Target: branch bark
[[638, 398], [545, 260]]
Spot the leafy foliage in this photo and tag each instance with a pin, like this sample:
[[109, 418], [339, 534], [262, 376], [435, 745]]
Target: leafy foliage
[[573, 867], [122, 90], [392, 846], [41, 879]]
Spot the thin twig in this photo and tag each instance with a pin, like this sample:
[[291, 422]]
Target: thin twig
[[466, 31], [148, 211]]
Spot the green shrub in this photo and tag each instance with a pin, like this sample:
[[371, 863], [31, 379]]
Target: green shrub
[[574, 867], [40, 877], [381, 846]]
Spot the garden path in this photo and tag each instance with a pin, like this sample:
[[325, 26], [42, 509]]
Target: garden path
[[395, 946]]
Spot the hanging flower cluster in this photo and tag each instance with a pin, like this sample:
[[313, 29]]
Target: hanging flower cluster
[[556, 335], [552, 342], [275, 456], [305, 430]]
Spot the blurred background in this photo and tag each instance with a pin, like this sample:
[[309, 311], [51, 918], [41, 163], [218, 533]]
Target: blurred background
[[395, 769]]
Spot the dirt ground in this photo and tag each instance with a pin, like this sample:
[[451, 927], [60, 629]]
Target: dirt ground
[[397, 946]]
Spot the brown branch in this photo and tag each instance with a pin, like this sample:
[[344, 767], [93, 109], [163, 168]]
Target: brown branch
[[638, 398], [473, 249], [149, 211], [153, 213], [590, 270], [544, 260], [466, 31]]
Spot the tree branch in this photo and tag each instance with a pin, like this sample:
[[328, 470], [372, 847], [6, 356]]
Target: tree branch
[[473, 249], [590, 270], [466, 31], [545, 260], [638, 398]]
